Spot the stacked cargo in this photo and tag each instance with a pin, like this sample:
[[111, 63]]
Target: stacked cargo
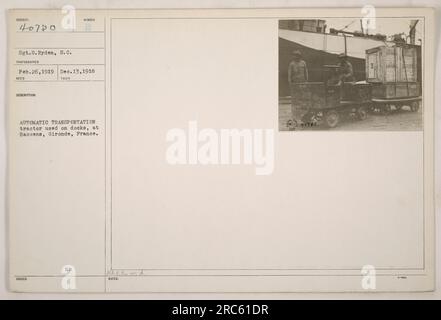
[[392, 71]]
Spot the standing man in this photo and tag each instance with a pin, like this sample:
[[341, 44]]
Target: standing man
[[345, 69], [297, 72]]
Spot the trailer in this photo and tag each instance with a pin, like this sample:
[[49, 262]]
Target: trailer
[[393, 73], [385, 106]]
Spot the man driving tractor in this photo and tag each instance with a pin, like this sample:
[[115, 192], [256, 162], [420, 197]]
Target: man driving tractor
[[345, 70]]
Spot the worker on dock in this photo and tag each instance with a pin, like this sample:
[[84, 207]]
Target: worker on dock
[[297, 73]]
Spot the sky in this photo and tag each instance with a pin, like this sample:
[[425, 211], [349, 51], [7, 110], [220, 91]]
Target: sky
[[387, 26]]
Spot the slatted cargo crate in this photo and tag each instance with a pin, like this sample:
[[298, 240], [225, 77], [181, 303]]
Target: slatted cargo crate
[[394, 90], [391, 64]]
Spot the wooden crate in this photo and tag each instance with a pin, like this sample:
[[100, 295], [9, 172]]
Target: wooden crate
[[395, 90], [391, 64]]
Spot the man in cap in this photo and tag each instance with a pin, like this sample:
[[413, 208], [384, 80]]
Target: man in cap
[[345, 69], [297, 72]]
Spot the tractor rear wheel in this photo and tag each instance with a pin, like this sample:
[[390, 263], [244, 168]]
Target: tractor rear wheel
[[332, 118], [362, 113]]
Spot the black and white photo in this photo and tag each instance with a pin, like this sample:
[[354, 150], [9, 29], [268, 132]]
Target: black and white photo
[[346, 74]]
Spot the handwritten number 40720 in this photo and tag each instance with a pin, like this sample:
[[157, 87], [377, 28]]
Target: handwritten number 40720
[[36, 27]]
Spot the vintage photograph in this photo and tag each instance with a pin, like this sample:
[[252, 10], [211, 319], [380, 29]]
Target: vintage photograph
[[351, 74]]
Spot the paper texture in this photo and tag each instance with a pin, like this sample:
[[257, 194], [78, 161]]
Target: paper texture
[[188, 151]]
